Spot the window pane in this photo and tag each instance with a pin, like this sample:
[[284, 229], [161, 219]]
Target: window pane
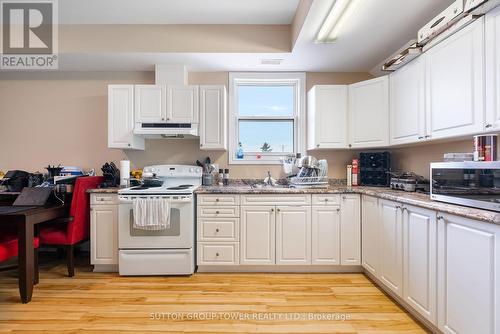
[[266, 136], [266, 100]]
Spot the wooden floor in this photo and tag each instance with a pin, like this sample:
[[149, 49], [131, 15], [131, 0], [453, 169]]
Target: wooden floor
[[203, 303]]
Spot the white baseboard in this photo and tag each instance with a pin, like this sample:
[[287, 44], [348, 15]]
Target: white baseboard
[[279, 269]]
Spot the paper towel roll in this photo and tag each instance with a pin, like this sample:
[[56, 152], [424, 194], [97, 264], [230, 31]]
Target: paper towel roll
[[124, 172]]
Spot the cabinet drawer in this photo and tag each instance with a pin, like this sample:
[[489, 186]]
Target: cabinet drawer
[[218, 212], [326, 199], [218, 229], [226, 253], [303, 199], [98, 199], [219, 200]]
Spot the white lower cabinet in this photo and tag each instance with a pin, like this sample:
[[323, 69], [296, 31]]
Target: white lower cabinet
[[325, 235], [293, 235], [468, 276], [258, 241], [104, 234], [370, 234], [350, 230], [391, 246], [419, 260]]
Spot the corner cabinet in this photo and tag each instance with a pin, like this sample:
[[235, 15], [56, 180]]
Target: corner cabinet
[[370, 222], [121, 118], [369, 113], [468, 276], [350, 229], [327, 113], [213, 114], [455, 83], [493, 70], [407, 103]]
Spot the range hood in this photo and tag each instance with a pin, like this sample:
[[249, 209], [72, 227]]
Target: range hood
[[167, 130]]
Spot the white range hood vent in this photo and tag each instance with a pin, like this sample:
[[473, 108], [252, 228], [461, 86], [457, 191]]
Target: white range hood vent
[[171, 74]]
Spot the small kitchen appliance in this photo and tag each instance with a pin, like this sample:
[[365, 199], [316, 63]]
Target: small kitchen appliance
[[374, 168], [409, 182], [160, 252], [470, 183]]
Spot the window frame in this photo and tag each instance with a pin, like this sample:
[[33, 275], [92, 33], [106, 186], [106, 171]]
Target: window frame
[[295, 79]]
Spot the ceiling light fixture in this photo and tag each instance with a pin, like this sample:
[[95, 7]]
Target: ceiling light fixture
[[339, 13], [271, 61]]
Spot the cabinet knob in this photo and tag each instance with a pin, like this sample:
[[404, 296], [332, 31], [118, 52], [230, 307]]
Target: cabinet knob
[[440, 217], [201, 145], [326, 199], [272, 210], [128, 145], [317, 145], [350, 145], [278, 210], [168, 119], [216, 230], [398, 207], [216, 254], [421, 137], [216, 199], [338, 209], [162, 118], [488, 126], [217, 212], [427, 136]]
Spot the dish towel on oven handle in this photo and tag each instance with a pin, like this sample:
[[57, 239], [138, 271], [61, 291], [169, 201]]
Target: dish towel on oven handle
[[152, 214]]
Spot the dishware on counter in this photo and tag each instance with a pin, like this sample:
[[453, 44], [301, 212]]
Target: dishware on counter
[[207, 179], [485, 147], [111, 175], [308, 161]]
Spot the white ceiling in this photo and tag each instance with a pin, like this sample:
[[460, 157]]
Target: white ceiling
[[177, 11]]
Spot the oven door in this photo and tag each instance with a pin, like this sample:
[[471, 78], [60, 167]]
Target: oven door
[[179, 235]]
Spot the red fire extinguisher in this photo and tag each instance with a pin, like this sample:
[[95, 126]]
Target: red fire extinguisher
[[355, 172]]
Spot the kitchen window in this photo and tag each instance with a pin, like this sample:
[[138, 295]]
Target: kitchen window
[[267, 117]]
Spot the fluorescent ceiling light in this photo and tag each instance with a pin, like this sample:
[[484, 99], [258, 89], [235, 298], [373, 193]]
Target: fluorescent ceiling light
[[340, 12]]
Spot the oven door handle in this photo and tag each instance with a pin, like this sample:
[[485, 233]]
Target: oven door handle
[[129, 200]]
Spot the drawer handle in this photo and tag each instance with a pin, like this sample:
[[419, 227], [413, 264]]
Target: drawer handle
[[326, 199], [217, 254], [217, 230], [216, 199], [217, 212], [338, 210]]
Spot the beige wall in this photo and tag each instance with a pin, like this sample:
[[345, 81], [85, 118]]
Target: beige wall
[[52, 118]]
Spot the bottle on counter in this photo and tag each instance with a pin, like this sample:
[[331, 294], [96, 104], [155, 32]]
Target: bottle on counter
[[349, 175], [220, 176], [225, 177], [355, 172]]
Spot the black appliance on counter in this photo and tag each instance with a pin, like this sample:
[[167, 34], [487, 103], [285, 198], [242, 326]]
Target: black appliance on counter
[[374, 168], [111, 175], [15, 180]]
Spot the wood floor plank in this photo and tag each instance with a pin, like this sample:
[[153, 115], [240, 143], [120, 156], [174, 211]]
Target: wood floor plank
[[107, 303]]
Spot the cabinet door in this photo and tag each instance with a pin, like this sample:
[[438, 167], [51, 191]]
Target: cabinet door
[[121, 118], [293, 235], [182, 104], [258, 246], [150, 104], [407, 103], [104, 234], [370, 234], [468, 276], [327, 117], [350, 230], [493, 70], [325, 235], [391, 246], [213, 118], [419, 259], [369, 113], [455, 83]]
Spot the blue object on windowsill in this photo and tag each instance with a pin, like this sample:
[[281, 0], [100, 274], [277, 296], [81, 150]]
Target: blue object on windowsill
[[239, 152]]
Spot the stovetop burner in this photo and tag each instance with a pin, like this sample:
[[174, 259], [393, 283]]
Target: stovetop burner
[[180, 187], [139, 188]]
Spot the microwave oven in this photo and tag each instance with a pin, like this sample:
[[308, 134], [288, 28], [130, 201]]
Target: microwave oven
[[474, 184]]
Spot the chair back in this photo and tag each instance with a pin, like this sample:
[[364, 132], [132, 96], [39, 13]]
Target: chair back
[[79, 228]]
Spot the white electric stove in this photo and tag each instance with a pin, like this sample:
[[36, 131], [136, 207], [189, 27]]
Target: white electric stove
[[165, 252]]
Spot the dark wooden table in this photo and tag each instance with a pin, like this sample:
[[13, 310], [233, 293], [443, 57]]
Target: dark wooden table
[[26, 221]]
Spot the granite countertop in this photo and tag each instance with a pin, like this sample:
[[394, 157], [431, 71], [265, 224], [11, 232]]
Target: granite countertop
[[103, 191], [417, 199]]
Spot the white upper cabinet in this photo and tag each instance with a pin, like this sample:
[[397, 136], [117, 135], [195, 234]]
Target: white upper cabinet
[[121, 118], [150, 104], [493, 70], [468, 276], [182, 104], [350, 229], [327, 113], [213, 118], [455, 83], [407, 103], [369, 113], [293, 235]]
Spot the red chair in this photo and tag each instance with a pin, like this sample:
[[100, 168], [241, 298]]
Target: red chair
[[9, 248], [69, 231]]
